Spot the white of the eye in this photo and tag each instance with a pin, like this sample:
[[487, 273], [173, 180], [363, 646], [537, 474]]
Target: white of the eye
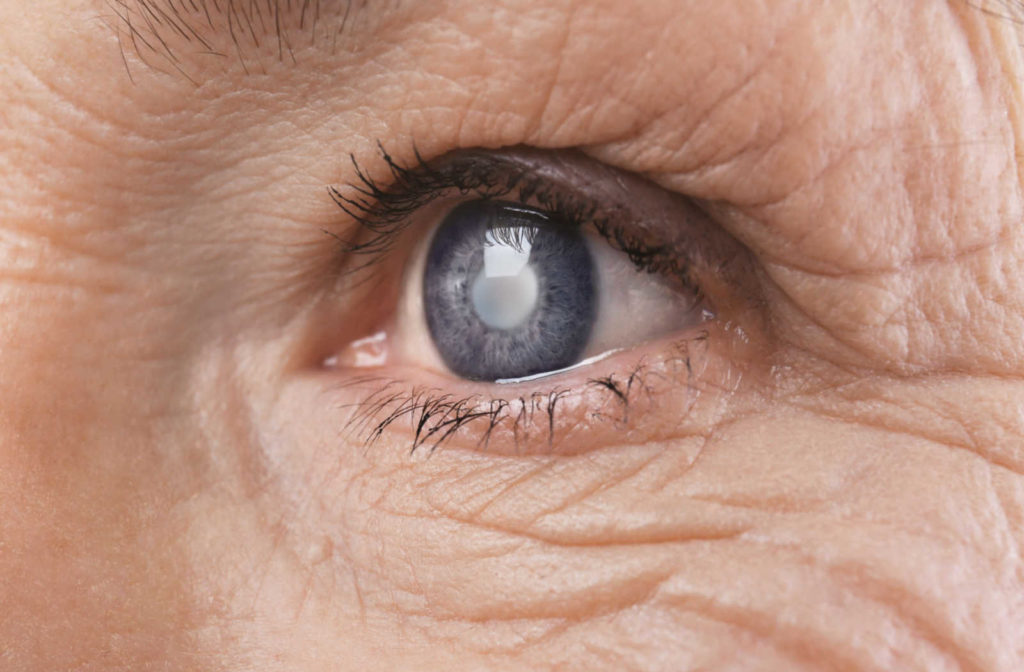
[[505, 292]]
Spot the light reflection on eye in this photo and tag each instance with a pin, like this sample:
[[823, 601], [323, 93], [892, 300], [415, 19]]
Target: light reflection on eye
[[506, 291]]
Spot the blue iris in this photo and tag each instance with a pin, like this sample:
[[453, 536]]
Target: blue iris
[[508, 292]]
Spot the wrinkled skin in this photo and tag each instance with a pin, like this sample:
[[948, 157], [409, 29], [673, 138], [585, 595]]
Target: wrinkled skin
[[177, 487]]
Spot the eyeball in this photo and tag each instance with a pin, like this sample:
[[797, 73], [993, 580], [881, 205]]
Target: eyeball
[[508, 292]]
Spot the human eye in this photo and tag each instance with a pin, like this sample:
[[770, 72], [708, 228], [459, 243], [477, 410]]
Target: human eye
[[525, 300]]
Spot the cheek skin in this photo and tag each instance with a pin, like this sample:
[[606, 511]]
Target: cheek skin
[[567, 559], [176, 488]]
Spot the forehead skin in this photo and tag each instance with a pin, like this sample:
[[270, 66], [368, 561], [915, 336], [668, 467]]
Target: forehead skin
[[173, 490]]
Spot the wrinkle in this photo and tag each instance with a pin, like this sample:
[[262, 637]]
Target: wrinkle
[[910, 620], [562, 497], [557, 539], [551, 87], [756, 152], [910, 608], [917, 263], [478, 512], [600, 600], [520, 535], [795, 642], [889, 413], [1002, 37]]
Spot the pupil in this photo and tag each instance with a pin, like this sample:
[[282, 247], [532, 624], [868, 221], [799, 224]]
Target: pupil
[[505, 291], [508, 293]]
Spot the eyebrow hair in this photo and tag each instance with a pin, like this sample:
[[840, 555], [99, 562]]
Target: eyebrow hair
[[168, 33], [161, 33]]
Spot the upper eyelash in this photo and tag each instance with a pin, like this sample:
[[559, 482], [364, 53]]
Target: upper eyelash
[[382, 212]]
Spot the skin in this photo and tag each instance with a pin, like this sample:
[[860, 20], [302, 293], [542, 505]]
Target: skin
[[839, 485]]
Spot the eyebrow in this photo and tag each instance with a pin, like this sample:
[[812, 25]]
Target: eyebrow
[[169, 33]]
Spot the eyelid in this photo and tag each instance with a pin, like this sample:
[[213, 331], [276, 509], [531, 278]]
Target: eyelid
[[550, 415], [627, 209]]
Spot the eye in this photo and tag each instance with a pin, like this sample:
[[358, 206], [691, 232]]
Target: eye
[[503, 283], [508, 292], [512, 292]]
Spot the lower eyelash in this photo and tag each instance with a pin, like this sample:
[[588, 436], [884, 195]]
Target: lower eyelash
[[435, 416]]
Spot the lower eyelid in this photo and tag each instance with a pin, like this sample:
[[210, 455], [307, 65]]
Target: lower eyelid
[[647, 394]]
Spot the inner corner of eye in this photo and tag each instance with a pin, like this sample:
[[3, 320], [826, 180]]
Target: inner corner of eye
[[370, 351]]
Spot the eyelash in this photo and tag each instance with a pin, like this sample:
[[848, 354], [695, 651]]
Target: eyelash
[[383, 212], [434, 413]]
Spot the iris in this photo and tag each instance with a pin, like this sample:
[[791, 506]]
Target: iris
[[508, 291]]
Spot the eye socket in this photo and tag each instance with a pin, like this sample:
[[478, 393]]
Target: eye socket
[[602, 291]]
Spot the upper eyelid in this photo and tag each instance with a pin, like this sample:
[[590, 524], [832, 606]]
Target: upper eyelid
[[626, 206], [382, 207]]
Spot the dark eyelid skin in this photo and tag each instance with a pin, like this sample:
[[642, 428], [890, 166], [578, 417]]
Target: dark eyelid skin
[[656, 214]]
